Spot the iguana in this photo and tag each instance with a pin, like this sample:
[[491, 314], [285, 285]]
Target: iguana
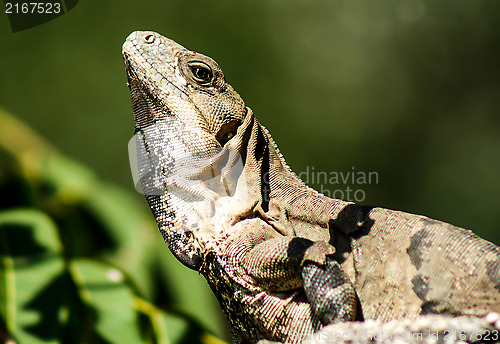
[[282, 259]]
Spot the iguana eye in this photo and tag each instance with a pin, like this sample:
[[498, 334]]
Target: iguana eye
[[227, 132], [202, 73]]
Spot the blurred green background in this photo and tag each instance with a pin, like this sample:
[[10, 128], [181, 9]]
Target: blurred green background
[[409, 89]]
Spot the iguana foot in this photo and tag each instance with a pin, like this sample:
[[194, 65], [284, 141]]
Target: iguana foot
[[330, 292]]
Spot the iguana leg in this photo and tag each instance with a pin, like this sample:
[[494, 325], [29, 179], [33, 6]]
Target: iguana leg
[[330, 292], [276, 264], [289, 263]]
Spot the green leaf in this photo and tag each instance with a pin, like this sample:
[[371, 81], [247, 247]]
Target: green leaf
[[129, 228], [108, 300], [197, 299], [31, 276], [171, 328]]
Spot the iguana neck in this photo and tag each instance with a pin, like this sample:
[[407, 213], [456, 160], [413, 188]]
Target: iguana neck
[[282, 198]]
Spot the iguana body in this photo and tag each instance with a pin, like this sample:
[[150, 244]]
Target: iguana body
[[282, 259]]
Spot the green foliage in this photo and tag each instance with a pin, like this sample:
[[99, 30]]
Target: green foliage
[[79, 258]]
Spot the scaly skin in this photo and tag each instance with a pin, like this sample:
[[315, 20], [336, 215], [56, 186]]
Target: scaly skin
[[282, 259]]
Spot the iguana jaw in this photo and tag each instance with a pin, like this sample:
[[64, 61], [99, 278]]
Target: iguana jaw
[[156, 82]]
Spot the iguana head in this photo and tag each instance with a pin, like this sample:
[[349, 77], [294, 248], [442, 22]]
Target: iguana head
[[174, 81]]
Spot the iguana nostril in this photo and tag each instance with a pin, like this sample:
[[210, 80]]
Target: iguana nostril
[[149, 38]]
